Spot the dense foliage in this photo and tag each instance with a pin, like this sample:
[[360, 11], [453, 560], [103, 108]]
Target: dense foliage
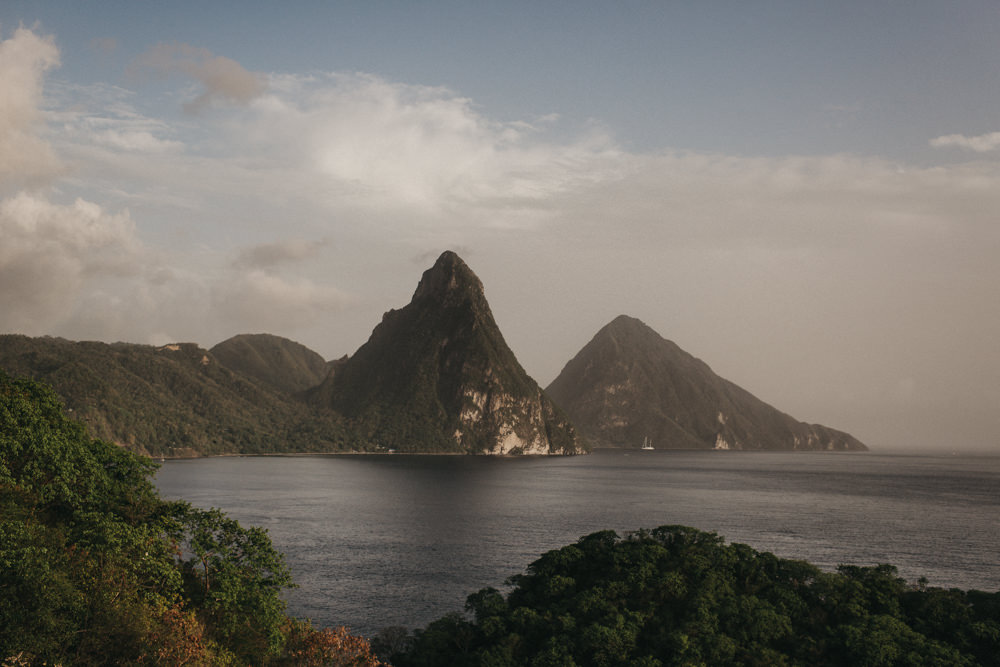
[[283, 364], [677, 596], [176, 400], [96, 569]]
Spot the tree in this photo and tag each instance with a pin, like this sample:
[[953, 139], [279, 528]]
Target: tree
[[678, 596], [234, 576], [96, 569]]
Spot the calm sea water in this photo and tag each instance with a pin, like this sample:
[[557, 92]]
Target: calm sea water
[[375, 541]]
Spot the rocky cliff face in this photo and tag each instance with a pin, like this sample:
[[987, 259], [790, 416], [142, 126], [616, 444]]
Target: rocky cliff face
[[629, 383], [437, 375]]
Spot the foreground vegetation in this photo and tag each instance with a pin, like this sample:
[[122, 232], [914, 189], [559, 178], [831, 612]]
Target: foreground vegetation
[[678, 596], [96, 569]]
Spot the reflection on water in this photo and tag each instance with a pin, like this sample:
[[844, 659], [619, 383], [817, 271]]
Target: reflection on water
[[401, 540]]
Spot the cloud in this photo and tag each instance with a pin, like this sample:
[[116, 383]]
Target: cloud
[[983, 143], [79, 270], [25, 157], [280, 252], [104, 115], [826, 202], [352, 149], [425, 149], [257, 300], [138, 141], [51, 254], [223, 79]]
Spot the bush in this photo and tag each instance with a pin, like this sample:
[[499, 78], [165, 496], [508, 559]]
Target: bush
[[96, 569], [679, 596]]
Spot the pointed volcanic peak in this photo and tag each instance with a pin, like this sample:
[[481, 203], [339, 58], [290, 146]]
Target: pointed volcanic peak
[[451, 283], [437, 375], [629, 383], [283, 364]]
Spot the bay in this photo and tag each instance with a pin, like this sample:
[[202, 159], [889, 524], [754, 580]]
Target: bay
[[375, 541]]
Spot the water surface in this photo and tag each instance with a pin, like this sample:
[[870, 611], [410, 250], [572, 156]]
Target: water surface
[[375, 541]]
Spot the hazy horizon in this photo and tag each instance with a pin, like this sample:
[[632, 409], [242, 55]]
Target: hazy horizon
[[802, 195]]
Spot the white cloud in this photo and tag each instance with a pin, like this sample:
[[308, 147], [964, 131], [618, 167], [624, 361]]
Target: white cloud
[[51, 254], [346, 148], [426, 149], [824, 202], [140, 141], [983, 143], [24, 59]]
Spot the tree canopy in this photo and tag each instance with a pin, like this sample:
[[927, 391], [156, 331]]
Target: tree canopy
[[97, 569], [679, 596]]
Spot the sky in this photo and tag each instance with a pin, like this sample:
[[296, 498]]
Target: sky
[[805, 195]]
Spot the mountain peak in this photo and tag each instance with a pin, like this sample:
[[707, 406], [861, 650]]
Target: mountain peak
[[631, 336], [438, 375], [629, 383], [626, 321], [627, 325], [450, 280]]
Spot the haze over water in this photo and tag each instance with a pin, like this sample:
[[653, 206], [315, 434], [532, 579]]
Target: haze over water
[[375, 541]]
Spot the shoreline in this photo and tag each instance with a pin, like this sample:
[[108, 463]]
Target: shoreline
[[595, 450], [356, 453]]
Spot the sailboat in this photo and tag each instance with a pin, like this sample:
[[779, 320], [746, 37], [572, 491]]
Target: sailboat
[[646, 444]]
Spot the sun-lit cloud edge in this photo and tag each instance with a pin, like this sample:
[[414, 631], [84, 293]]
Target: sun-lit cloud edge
[[25, 158], [983, 143]]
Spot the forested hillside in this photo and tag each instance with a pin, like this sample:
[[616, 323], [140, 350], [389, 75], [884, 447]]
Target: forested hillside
[[173, 400], [282, 364], [96, 569]]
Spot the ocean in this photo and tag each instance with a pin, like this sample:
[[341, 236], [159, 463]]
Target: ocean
[[399, 540]]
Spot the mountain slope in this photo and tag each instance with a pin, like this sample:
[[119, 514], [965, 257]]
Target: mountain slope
[[175, 400], [629, 383], [283, 364], [437, 375]]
